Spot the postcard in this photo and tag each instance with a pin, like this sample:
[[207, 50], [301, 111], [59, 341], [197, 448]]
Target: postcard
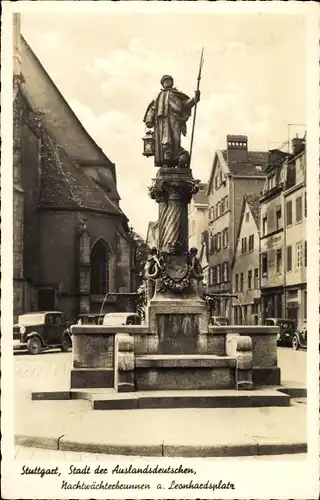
[[160, 250]]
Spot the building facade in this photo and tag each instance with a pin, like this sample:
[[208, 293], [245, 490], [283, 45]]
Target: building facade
[[245, 272], [295, 238], [72, 244], [198, 216], [236, 171], [272, 237]]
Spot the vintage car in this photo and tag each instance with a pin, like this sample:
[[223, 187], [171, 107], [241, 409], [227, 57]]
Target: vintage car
[[219, 321], [90, 319], [287, 329], [41, 330], [121, 318], [299, 340]]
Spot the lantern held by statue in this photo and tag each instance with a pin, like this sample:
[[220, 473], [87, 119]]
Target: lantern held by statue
[[148, 144]]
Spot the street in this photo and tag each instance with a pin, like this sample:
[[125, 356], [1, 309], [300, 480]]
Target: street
[[52, 369]]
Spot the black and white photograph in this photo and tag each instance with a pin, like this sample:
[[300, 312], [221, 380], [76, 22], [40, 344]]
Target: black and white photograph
[[160, 250]]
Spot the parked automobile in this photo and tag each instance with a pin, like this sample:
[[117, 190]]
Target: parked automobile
[[90, 319], [121, 318], [299, 340], [41, 330], [287, 329], [219, 321]]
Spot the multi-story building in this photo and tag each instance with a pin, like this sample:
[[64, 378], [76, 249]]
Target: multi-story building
[[295, 241], [245, 272], [283, 241], [198, 216], [272, 242], [235, 172]]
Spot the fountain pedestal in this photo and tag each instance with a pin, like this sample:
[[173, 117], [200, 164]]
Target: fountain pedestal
[[176, 349]]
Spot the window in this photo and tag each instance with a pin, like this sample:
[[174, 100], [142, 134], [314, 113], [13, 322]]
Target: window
[[237, 283], [219, 241], [271, 181], [247, 217], [249, 280], [278, 261], [289, 258], [59, 320], [243, 245], [214, 275], [241, 282], [216, 182], [299, 209], [99, 268], [226, 203], [225, 238], [254, 309], [220, 209], [218, 274], [264, 225], [225, 272], [210, 276], [211, 243], [305, 204], [256, 279], [305, 254], [289, 213], [222, 205], [278, 217], [251, 242], [264, 264], [299, 255]]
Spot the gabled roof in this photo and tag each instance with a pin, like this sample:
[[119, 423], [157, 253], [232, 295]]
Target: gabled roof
[[65, 185], [252, 200], [201, 196], [248, 168], [218, 158], [255, 166]]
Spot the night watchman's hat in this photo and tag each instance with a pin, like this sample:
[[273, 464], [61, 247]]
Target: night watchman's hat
[[165, 77]]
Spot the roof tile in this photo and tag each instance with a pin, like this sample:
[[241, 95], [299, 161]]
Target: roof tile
[[65, 184]]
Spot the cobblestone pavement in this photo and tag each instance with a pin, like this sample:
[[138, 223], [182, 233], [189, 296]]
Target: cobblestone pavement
[[24, 453]]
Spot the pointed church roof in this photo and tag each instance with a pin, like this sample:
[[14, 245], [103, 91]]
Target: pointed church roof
[[65, 185]]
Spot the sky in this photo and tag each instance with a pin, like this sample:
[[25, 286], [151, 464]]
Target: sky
[[108, 67]]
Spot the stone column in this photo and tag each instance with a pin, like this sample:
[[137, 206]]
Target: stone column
[[172, 190]]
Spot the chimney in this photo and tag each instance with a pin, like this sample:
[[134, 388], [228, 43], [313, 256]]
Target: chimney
[[237, 148], [298, 145]]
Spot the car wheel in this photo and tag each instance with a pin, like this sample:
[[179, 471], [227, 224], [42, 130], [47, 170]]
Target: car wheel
[[65, 342], [295, 343], [34, 345]]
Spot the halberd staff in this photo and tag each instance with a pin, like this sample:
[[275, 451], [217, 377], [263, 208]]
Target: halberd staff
[[195, 109]]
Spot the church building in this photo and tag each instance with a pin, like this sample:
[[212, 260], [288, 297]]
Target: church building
[[72, 245]]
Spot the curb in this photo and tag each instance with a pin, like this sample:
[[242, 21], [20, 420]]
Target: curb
[[245, 449]]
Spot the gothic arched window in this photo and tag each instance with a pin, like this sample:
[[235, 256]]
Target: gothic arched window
[[99, 268]]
